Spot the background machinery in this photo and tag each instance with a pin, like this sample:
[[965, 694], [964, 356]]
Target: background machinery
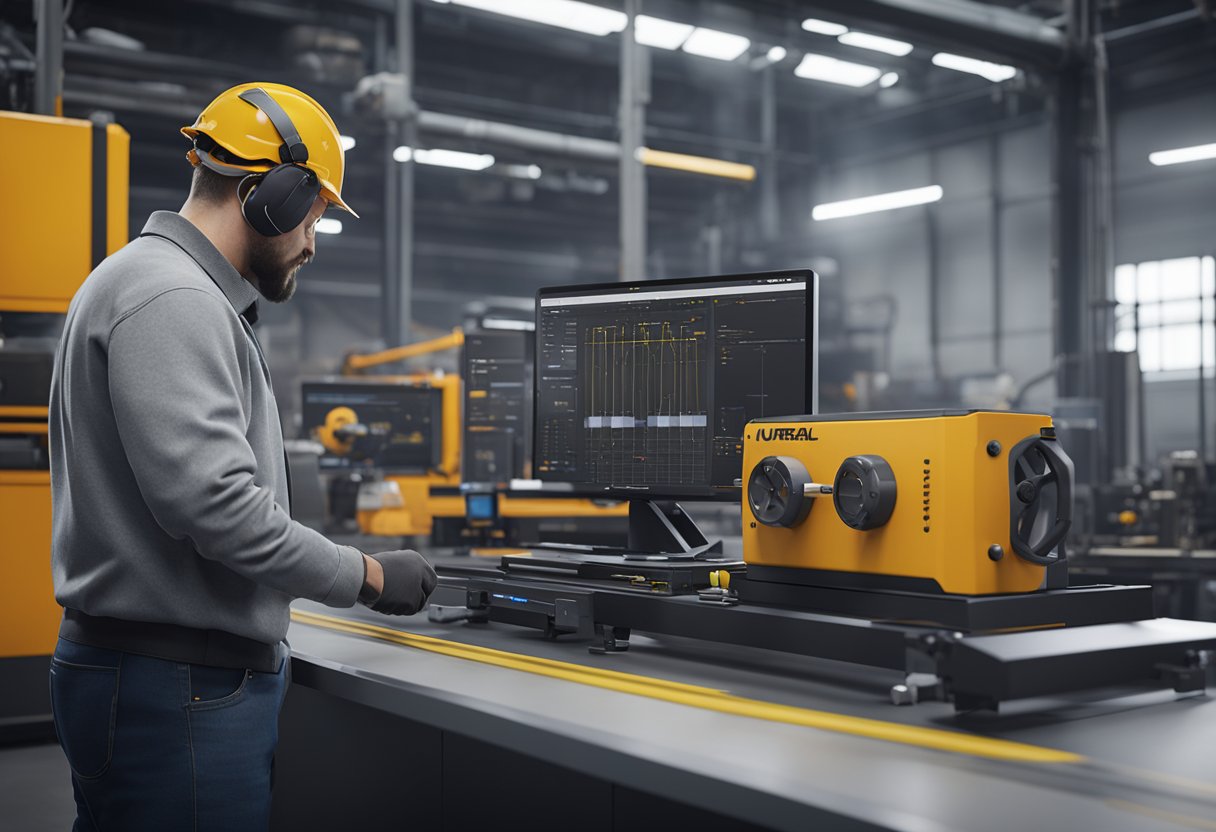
[[42, 264]]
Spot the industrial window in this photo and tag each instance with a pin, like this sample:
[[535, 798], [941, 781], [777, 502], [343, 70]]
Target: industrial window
[[1165, 309]]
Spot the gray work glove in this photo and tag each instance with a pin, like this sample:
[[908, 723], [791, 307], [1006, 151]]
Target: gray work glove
[[408, 581]]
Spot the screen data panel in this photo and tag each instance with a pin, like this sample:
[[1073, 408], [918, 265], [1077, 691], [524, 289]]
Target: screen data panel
[[497, 405], [646, 387], [394, 427]]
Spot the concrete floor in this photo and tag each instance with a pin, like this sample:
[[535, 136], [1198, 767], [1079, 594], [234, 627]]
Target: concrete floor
[[35, 789]]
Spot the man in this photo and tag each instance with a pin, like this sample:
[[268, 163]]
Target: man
[[173, 552]]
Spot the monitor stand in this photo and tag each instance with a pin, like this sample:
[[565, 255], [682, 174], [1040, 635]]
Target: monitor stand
[[658, 530]]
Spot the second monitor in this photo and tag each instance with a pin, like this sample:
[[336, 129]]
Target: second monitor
[[643, 388]]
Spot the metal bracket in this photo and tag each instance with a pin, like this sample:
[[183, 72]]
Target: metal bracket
[[612, 640], [918, 687], [440, 614], [387, 95], [1189, 677]]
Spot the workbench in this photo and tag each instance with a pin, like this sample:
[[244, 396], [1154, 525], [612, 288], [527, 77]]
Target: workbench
[[403, 723]]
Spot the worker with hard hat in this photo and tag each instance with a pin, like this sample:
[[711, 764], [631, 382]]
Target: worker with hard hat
[[174, 554]]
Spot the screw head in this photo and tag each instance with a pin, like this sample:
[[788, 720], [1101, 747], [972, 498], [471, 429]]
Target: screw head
[[994, 448], [995, 552]]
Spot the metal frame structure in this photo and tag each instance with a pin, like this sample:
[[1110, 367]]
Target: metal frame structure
[[1107, 637]]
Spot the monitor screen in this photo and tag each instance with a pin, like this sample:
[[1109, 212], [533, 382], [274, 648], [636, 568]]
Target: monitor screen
[[497, 370], [389, 426], [643, 388]]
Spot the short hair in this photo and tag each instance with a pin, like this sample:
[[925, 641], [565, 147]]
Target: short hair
[[209, 186]]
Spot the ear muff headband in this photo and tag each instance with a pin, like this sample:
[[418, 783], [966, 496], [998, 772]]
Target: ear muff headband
[[293, 149]]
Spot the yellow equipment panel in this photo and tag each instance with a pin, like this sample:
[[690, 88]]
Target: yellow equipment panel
[[949, 506], [46, 246], [29, 616]]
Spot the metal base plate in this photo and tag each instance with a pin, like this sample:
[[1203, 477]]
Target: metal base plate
[[1071, 607]]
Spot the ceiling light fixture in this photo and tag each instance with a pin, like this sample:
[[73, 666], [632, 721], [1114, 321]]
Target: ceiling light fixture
[[568, 14], [659, 33], [1182, 155], [444, 158], [986, 69], [347, 142], [835, 71], [710, 43], [875, 43], [329, 225], [878, 202], [824, 27]]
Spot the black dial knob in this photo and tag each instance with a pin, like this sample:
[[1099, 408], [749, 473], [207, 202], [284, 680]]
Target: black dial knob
[[864, 492], [775, 491]]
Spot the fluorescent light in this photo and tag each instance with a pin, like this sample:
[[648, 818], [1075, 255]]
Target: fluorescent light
[[347, 142], [824, 27], [710, 43], [568, 14], [993, 72], [888, 79], [445, 158], [329, 225], [662, 34], [878, 202], [776, 54], [524, 171], [1183, 154], [835, 71], [875, 43], [454, 159]]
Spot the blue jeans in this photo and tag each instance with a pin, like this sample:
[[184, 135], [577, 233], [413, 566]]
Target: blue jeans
[[165, 746]]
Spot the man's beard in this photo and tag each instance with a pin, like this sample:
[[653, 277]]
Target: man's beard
[[274, 269]]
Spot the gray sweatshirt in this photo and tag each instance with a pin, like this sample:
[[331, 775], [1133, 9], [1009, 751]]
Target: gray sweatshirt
[[168, 478]]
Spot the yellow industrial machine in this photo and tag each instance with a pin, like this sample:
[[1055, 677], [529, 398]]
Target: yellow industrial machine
[[404, 505], [961, 502], [401, 504], [72, 213]]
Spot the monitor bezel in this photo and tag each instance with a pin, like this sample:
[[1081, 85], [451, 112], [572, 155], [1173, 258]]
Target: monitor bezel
[[732, 493]]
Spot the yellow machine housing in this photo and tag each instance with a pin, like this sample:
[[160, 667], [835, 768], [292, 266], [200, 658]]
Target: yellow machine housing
[[65, 216], [47, 245], [404, 506], [954, 507]]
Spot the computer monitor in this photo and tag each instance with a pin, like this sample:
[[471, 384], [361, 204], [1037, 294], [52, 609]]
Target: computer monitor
[[642, 389], [391, 426], [497, 372]]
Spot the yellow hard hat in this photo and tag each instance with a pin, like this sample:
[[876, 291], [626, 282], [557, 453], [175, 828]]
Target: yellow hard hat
[[239, 136]]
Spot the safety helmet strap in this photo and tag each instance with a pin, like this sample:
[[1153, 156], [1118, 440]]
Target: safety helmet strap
[[293, 150]]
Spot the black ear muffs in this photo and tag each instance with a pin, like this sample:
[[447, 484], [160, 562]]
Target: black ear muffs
[[276, 202]]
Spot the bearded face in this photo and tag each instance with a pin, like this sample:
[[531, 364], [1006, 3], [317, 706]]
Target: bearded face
[[274, 262]]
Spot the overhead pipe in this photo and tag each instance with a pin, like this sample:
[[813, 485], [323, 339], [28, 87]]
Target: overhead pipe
[[525, 137]]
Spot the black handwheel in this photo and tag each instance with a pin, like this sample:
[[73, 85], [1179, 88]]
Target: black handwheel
[[775, 491], [1040, 498], [864, 492]]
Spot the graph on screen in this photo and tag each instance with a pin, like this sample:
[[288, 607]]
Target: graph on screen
[[645, 414]]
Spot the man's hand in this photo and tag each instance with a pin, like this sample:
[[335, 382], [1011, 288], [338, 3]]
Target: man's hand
[[398, 582]]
